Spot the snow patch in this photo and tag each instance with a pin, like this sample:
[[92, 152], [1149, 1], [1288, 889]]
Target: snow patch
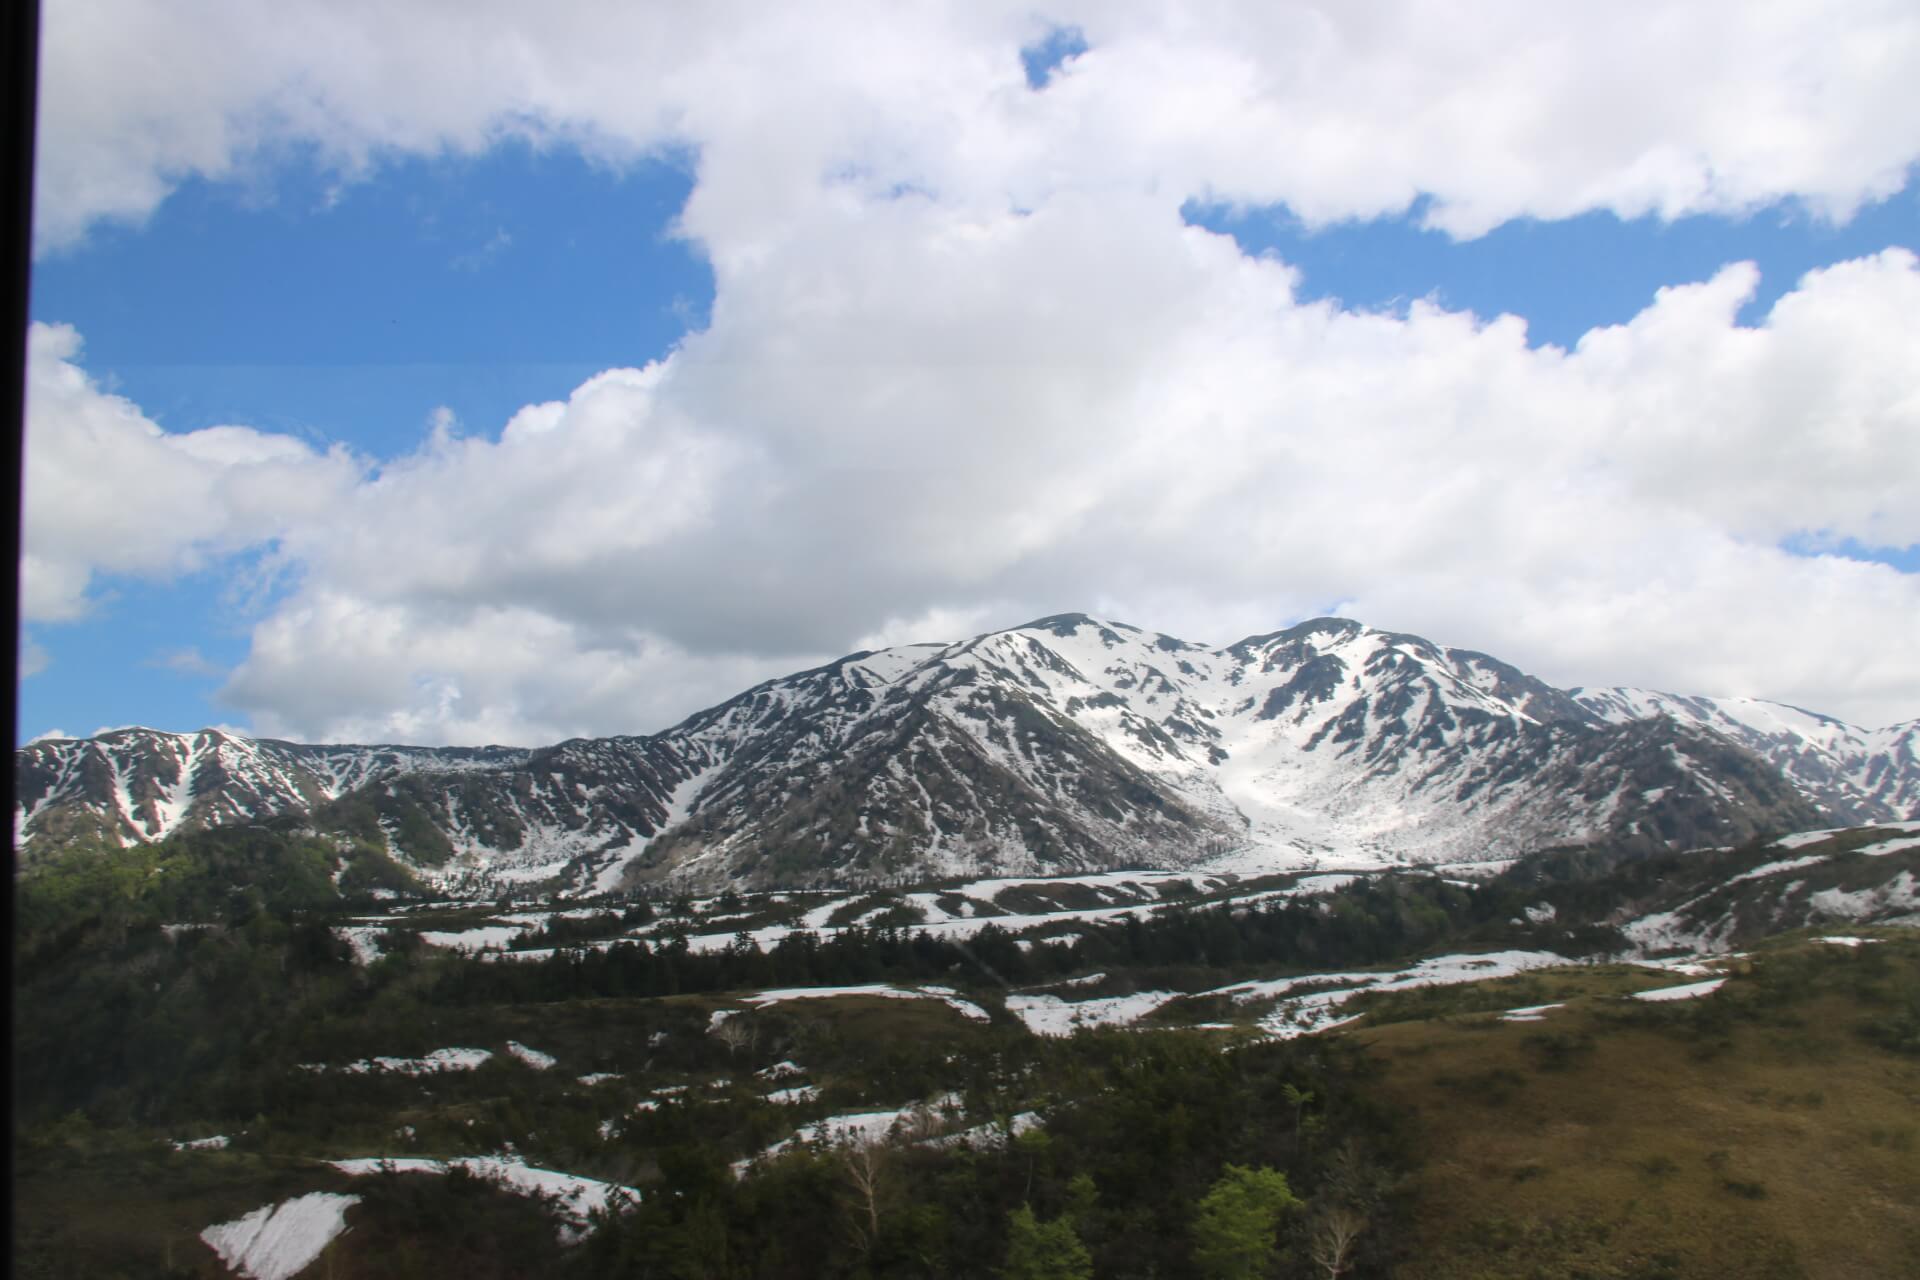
[[574, 1199], [1047, 1015], [364, 939], [1692, 991], [1884, 847], [1775, 868], [486, 937], [1897, 894], [1531, 1013], [438, 1060], [532, 1057], [277, 1242], [863, 1128], [885, 990], [1800, 839], [1317, 1011], [988, 1136]]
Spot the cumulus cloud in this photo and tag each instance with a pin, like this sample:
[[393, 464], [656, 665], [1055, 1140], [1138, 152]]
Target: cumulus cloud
[[1495, 110], [966, 364], [108, 491], [340, 667], [1178, 442]]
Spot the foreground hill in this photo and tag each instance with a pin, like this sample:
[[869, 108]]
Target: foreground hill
[[1066, 744]]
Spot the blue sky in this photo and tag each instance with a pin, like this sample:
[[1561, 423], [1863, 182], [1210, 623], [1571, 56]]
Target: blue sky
[[1565, 277], [349, 311], [346, 284], [344, 313]]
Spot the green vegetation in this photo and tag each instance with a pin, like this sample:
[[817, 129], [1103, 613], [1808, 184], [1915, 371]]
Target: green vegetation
[[1039, 1250], [1234, 1226], [189, 989]]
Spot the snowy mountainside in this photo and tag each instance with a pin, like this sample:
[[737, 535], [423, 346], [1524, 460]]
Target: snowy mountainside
[[1334, 739], [1842, 876], [1853, 775], [1066, 744], [138, 784]]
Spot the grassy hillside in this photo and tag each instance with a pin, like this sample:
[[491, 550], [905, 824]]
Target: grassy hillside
[[1771, 1129]]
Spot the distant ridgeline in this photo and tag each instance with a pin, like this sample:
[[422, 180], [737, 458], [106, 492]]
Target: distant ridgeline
[[1067, 744]]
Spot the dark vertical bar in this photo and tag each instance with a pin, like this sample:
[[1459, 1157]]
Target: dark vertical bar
[[18, 82]]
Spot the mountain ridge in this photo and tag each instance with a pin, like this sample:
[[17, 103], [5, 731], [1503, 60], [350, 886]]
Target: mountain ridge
[[1065, 743]]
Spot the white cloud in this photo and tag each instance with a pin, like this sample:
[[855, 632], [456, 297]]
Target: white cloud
[[341, 668], [108, 491], [1105, 412], [1498, 110], [966, 364]]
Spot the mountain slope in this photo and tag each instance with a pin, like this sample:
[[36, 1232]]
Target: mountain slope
[[142, 784], [1854, 775], [1066, 743]]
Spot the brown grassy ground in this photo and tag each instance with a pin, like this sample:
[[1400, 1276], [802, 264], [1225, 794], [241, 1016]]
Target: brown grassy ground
[[1753, 1133]]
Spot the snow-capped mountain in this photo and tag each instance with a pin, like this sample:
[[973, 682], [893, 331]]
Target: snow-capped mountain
[[1854, 775], [1067, 743], [141, 784]]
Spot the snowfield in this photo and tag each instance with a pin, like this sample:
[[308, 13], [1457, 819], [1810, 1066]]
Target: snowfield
[[574, 1199], [1049, 1015], [277, 1242]]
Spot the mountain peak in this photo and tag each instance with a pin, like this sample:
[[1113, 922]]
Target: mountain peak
[[1068, 624], [1070, 742]]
